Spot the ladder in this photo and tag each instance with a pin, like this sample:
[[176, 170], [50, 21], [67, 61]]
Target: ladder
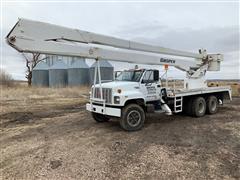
[[178, 102]]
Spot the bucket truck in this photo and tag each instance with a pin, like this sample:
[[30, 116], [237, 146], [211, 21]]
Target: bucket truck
[[134, 92]]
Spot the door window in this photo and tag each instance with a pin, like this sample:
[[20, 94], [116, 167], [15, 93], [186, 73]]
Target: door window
[[148, 77]]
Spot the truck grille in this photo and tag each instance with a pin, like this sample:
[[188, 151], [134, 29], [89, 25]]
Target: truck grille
[[107, 94]]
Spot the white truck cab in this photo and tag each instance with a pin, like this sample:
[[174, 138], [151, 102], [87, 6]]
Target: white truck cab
[[131, 84]]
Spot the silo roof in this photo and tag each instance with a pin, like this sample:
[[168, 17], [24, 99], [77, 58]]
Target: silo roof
[[103, 63], [59, 65], [79, 63], [41, 66]]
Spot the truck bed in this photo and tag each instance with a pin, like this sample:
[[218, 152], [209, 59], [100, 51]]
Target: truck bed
[[184, 92]]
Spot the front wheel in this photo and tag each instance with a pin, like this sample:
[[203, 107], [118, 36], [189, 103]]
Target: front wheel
[[100, 117], [133, 117]]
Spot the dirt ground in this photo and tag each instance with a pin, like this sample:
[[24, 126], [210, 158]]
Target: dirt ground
[[44, 136]]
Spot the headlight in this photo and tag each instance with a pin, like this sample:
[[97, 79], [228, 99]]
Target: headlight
[[119, 91], [116, 100]]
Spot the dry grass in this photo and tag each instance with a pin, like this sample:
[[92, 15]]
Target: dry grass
[[175, 84], [6, 79], [22, 97], [235, 85], [23, 92]]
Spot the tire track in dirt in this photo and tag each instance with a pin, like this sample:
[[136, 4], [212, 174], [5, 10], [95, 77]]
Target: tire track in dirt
[[14, 118]]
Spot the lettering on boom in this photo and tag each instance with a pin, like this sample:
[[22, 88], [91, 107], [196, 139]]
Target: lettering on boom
[[164, 60]]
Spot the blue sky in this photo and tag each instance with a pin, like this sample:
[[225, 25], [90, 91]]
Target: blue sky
[[185, 26]]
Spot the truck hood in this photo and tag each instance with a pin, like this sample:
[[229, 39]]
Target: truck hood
[[119, 84]]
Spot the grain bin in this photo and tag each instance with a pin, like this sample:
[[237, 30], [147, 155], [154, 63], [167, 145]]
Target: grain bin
[[78, 72], [58, 74], [40, 75], [106, 71], [51, 59]]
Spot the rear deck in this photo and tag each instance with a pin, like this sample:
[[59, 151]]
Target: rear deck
[[172, 93]]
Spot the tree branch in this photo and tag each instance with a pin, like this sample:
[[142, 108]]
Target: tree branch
[[31, 63]]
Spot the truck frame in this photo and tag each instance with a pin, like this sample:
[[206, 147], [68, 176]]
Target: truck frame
[[135, 92]]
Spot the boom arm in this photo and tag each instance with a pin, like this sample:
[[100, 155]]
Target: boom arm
[[32, 36]]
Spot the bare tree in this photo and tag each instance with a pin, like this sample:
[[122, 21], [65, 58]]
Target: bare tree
[[31, 61]]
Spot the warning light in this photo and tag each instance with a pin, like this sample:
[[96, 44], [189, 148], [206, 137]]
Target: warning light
[[166, 66]]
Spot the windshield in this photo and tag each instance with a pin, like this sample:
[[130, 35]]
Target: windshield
[[129, 75]]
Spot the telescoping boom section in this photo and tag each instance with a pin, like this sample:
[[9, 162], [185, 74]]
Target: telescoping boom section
[[134, 92], [33, 36]]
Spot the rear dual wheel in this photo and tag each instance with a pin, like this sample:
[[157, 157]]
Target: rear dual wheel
[[198, 106], [212, 104]]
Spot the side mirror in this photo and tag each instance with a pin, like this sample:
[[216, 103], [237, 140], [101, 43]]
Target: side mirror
[[156, 75], [115, 75]]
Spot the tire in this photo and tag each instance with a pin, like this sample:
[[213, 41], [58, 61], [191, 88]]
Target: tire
[[99, 117], [212, 104], [198, 107], [133, 117]]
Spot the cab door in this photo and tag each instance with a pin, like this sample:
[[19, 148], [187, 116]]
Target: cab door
[[149, 85]]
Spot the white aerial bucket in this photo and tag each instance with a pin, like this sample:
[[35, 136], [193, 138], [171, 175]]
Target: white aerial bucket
[[215, 61]]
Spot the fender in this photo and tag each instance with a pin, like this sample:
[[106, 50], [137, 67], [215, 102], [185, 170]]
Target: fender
[[130, 95]]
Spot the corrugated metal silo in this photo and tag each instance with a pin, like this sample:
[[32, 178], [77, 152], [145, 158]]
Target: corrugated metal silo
[[40, 75], [67, 60], [106, 71], [51, 59], [58, 74], [78, 72]]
